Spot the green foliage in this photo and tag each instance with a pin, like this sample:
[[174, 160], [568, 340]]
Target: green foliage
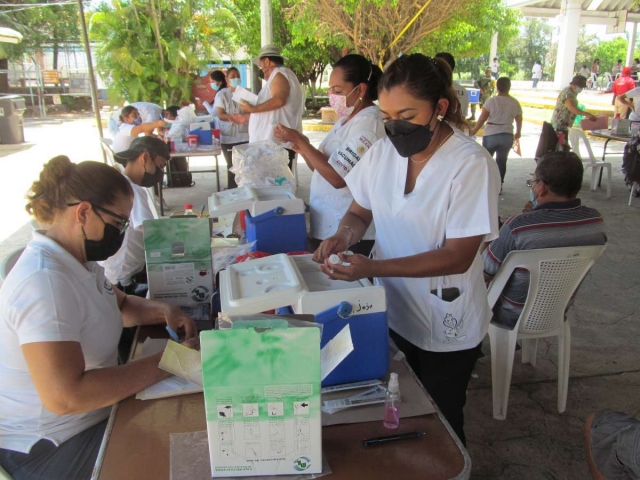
[[610, 51], [586, 50], [533, 43], [152, 50]]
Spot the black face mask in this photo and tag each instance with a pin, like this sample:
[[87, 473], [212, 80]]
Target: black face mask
[[151, 179], [261, 74], [99, 250], [409, 138]]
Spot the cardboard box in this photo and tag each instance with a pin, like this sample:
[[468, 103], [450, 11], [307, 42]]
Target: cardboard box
[[262, 399], [178, 255], [328, 115]]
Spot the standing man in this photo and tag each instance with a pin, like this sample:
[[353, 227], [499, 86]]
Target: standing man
[[485, 85], [567, 106], [621, 86], [495, 68], [461, 92], [279, 101]]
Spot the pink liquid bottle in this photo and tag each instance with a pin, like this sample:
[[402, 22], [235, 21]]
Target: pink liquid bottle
[[391, 418]]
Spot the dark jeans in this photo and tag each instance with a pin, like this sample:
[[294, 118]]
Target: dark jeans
[[72, 460], [499, 144], [226, 151], [535, 82], [445, 375]]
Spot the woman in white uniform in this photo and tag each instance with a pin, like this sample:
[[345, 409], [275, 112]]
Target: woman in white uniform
[[232, 133], [130, 127], [60, 321], [433, 193], [353, 87]]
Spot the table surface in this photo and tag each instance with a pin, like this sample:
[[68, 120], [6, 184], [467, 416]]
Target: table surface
[[609, 135], [136, 444], [197, 153]]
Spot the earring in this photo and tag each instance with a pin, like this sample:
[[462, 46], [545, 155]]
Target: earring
[[439, 117]]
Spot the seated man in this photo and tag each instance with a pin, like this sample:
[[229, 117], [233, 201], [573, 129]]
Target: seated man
[[553, 218]]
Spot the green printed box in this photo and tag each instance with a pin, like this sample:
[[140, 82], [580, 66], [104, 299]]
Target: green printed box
[[262, 398], [178, 255]]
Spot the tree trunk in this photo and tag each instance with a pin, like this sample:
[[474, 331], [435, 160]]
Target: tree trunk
[[4, 75], [313, 90]]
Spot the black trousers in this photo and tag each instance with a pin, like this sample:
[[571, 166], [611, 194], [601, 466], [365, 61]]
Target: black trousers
[[226, 151], [445, 375]]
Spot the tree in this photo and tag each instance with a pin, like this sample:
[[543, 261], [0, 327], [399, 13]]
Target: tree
[[533, 43], [586, 50], [380, 29], [610, 51], [152, 49]]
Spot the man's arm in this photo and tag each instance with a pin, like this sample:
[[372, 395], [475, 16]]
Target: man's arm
[[279, 96]]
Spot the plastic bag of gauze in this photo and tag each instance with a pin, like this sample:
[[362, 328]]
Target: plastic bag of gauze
[[262, 164], [180, 127]]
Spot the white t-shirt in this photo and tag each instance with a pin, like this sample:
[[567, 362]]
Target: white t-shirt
[[51, 297], [345, 146], [130, 260], [149, 113], [494, 66], [635, 93], [229, 131], [461, 92], [261, 125], [502, 113], [123, 138], [455, 196], [536, 71]]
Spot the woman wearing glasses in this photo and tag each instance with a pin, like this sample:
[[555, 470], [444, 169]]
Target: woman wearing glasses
[[60, 322]]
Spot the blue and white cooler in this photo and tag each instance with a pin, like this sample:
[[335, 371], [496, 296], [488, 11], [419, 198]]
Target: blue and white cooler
[[297, 282]]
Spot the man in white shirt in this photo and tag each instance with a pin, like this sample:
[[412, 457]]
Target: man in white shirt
[[280, 101], [461, 92], [495, 67]]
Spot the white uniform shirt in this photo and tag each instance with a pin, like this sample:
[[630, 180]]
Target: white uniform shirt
[[123, 138], [50, 297], [461, 92], [455, 196], [536, 71], [149, 113], [345, 146], [261, 125], [130, 259], [229, 131], [502, 113]]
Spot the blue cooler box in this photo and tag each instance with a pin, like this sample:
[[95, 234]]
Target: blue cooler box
[[474, 95], [297, 282], [274, 217]]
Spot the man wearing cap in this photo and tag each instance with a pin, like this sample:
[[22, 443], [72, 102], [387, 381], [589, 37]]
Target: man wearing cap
[[144, 164], [567, 106], [485, 85], [622, 85], [279, 101]]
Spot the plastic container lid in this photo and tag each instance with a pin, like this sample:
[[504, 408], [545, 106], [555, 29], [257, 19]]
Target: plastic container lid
[[394, 385]]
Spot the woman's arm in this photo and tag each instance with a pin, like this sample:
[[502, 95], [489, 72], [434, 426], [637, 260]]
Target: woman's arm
[[65, 388], [484, 115], [518, 127], [352, 228], [146, 128], [222, 115]]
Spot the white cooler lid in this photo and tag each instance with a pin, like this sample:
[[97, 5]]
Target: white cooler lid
[[256, 200], [231, 201]]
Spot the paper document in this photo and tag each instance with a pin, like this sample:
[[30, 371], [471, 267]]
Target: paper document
[[246, 95]]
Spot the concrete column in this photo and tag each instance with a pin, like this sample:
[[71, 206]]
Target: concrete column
[[632, 44], [266, 23], [568, 42], [493, 52]]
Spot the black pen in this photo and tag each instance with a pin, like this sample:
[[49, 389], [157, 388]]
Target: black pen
[[391, 438]]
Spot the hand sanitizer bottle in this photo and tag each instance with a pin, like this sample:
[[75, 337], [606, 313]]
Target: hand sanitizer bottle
[[391, 418]]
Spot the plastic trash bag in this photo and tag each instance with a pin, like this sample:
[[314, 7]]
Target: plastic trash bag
[[180, 126], [262, 164]]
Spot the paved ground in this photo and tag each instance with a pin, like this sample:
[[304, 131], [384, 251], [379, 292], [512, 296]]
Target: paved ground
[[534, 442]]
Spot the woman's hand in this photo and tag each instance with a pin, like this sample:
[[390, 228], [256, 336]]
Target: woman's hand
[[360, 267], [285, 134], [334, 244], [178, 320], [238, 118]]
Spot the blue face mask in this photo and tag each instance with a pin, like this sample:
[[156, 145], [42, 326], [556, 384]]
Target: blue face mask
[[234, 82], [533, 198], [137, 121], [215, 86]]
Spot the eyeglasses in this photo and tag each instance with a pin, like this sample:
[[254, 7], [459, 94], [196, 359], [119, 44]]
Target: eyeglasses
[[123, 222], [530, 183]]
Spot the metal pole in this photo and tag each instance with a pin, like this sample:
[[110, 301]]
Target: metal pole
[[92, 78]]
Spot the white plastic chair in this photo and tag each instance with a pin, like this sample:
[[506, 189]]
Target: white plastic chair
[[7, 264], [555, 275], [107, 147], [576, 135]]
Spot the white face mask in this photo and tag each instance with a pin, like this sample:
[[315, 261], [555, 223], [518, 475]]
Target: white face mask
[[577, 90]]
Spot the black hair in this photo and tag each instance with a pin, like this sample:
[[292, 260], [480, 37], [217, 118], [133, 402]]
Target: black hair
[[126, 111], [218, 76], [447, 57], [233, 69], [356, 70], [425, 78], [275, 59], [503, 84], [172, 110], [562, 172]]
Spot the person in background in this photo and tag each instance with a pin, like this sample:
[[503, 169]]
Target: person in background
[[149, 113], [621, 86], [144, 164], [280, 101], [595, 71], [553, 218], [461, 92], [60, 321], [232, 133], [495, 68], [584, 71], [170, 113], [433, 192], [499, 113], [536, 73], [216, 85], [353, 87], [628, 100], [131, 125], [485, 85], [616, 70], [566, 108]]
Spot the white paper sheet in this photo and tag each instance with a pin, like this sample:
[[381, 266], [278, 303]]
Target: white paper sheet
[[246, 95]]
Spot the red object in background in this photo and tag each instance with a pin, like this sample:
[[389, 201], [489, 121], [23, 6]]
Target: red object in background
[[216, 133]]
